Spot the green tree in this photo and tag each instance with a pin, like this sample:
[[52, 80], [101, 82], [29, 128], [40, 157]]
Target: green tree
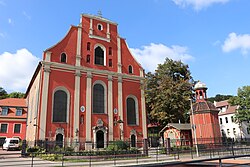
[[243, 101], [168, 91], [16, 95], [219, 97], [3, 93]]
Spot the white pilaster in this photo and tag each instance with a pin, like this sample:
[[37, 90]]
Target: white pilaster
[[79, 44], [110, 107], [91, 27], [144, 115], [108, 31], [88, 106], [44, 103], [120, 106], [77, 105], [119, 59]]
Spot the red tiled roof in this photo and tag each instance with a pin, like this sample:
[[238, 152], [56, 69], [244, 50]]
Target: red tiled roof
[[13, 102], [230, 110], [222, 103]]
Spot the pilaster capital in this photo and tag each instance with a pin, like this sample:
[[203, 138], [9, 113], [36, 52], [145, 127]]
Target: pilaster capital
[[142, 82], [78, 73], [89, 74], [46, 69], [119, 79], [78, 57], [110, 78]]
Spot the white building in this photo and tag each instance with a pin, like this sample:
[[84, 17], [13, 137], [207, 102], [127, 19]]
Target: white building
[[229, 127]]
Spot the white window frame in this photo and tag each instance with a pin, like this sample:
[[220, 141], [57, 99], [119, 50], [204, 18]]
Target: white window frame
[[105, 95], [136, 110], [14, 128], [7, 130], [19, 109], [4, 109], [68, 103], [105, 53]]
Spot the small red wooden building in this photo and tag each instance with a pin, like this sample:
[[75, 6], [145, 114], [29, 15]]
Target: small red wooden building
[[179, 134]]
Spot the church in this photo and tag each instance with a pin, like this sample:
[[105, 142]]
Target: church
[[88, 88]]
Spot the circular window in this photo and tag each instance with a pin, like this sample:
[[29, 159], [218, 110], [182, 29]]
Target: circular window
[[99, 27]]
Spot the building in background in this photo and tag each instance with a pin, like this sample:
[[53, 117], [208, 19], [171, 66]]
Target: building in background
[[179, 134], [204, 117], [13, 114], [88, 89], [229, 126]]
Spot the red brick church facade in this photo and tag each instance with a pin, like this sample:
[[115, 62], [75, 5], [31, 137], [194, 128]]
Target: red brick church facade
[[87, 88]]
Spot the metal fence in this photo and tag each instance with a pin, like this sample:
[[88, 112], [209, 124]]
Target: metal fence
[[120, 153]]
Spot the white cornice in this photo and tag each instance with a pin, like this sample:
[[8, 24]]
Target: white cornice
[[100, 38], [94, 71]]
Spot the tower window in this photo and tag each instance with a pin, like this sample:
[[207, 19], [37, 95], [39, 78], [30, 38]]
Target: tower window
[[63, 58], [130, 69], [99, 27], [110, 50], [99, 56], [88, 46], [110, 62], [88, 59]]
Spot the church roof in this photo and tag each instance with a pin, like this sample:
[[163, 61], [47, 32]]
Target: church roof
[[204, 106]]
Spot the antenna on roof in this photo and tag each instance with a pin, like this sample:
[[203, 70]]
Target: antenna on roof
[[99, 13]]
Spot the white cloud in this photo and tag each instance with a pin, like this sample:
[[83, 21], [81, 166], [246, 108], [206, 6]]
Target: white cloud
[[235, 42], [198, 4], [152, 55], [16, 70]]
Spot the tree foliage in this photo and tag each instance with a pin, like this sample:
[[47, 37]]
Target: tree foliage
[[219, 97], [3, 93], [168, 91], [243, 101], [16, 95]]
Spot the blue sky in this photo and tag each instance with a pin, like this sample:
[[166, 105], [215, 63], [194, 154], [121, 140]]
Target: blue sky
[[211, 36]]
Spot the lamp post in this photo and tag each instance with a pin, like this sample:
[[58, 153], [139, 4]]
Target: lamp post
[[194, 128]]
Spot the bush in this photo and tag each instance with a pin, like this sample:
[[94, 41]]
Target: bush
[[117, 146], [51, 157]]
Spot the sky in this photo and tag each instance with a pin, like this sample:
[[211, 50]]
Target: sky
[[211, 36]]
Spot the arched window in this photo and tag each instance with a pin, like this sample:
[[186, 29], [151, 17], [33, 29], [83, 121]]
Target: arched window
[[99, 27], [59, 140], [130, 69], [131, 111], [133, 140], [98, 99], [99, 56], [60, 106], [63, 58], [88, 59], [88, 46]]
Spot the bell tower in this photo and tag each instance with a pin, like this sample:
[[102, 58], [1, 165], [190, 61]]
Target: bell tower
[[204, 117]]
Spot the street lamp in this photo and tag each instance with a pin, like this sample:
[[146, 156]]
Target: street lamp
[[194, 128]]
